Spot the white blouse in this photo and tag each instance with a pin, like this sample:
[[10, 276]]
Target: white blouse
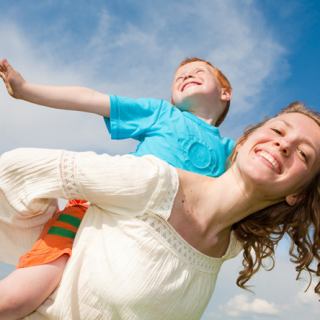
[[127, 261]]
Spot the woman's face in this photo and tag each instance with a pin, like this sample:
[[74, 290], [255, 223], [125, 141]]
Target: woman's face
[[281, 156]]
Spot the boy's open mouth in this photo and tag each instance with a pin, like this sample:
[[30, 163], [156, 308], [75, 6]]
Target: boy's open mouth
[[189, 84]]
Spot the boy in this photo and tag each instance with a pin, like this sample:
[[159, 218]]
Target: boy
[[184, 136]]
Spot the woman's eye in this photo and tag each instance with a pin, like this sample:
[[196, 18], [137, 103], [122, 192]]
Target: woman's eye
[[277, 131], [303, 154]]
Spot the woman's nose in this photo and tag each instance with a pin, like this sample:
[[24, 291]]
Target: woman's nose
[[284, 146]]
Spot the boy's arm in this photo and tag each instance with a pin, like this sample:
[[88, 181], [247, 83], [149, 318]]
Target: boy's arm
[[25, 289], [68, 98]]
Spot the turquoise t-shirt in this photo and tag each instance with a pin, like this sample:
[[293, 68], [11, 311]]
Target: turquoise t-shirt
[[179, 138]]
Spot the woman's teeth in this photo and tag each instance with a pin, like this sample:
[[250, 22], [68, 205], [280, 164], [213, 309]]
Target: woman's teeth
[[270, 159]]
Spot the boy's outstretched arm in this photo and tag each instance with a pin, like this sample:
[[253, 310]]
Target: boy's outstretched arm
[[68, 98], [25, 289]]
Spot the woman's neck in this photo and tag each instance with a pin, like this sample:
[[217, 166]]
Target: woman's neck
[[206, 208], [228, 199]]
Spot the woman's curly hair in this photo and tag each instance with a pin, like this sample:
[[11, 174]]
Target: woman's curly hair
[[261, 232]]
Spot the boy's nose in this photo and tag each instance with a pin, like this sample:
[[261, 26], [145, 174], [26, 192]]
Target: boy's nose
[[188, 76]]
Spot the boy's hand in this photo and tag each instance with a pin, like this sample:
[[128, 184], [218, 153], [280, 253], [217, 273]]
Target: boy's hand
[[12, 79], [68, 98]]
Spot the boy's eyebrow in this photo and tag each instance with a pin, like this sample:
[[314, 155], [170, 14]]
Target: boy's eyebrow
[[199, 68]]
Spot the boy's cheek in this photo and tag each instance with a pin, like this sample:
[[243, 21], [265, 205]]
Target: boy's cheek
[[176, 99]]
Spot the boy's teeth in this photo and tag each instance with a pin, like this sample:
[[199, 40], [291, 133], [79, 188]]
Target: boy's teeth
[[270, 159], [189, 85]]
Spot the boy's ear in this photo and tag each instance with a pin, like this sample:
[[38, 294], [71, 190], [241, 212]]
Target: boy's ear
[[226, 94], [292, 199]]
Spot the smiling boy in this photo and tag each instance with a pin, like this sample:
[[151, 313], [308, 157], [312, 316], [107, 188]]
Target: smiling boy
[[183, 133], [200, 88]]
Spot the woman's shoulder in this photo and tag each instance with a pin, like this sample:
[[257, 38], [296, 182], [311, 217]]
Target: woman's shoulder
[[168, 185]]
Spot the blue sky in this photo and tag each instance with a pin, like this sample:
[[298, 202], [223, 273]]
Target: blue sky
[[268, 49]]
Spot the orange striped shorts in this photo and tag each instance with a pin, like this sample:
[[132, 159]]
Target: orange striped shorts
[[57, 236]]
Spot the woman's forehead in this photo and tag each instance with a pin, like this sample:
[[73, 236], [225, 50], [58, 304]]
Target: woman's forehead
[[296, 120]]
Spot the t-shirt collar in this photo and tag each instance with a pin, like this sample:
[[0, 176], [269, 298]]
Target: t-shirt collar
[[200, 122]]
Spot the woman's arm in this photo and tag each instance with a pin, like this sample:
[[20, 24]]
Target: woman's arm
[[67, 98], [120, 184]]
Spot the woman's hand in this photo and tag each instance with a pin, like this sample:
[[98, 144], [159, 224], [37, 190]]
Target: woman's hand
[[12, 79]]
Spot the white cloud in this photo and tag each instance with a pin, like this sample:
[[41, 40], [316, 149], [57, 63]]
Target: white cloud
[[240, 304], [24, 124], [308, 299], [137, 60]]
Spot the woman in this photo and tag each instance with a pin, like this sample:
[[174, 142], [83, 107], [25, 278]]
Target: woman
[[154, 238]]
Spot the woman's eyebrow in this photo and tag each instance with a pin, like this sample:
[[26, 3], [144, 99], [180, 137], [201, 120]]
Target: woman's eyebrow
[[307, 140], [288, 124]]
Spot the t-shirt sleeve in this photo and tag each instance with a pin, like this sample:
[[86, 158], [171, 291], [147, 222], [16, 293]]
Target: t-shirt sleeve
[[229, 145], [130, 118]]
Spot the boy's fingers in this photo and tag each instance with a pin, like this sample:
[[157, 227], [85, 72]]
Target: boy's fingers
[[4, 64], [7, 65], [2, 71]]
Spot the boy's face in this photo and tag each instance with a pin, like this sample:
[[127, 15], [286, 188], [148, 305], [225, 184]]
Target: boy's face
[[195, 83]]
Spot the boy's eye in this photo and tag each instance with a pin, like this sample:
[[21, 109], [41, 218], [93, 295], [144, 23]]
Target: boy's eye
[[199, 71]]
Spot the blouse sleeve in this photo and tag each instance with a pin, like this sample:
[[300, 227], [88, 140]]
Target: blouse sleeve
[[22, 215], [124, 185], [31, 179]]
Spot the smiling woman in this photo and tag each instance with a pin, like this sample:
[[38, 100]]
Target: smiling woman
[[291, 150], [154, 237]]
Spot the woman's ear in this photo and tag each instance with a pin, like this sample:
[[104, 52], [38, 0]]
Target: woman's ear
[[239, 144], [292, 199]]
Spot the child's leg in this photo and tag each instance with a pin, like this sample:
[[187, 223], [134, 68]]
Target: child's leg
[[57, 236], [25, 289], [39, 271]]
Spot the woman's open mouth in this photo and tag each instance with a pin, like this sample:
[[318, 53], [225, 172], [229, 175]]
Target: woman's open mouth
[[271, 159]]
